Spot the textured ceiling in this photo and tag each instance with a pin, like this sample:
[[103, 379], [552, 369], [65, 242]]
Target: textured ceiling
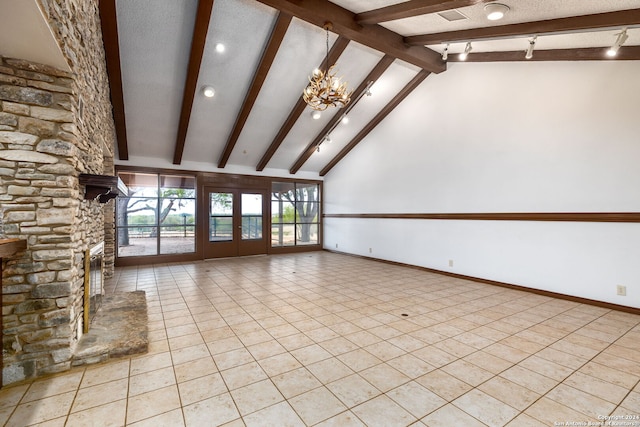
[[155, 40], [154, 49]]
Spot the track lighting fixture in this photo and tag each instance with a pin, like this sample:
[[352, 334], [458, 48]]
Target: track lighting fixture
[[467, 49], [445, 52], [495, 11], [532, 45], [622, 37]]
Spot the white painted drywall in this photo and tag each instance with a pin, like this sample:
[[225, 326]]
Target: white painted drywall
[[504, 137]]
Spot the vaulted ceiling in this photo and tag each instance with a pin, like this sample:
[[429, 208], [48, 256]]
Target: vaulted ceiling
[[162, 53]]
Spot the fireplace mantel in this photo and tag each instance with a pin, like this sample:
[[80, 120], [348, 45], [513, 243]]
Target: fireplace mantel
[[102, 187]]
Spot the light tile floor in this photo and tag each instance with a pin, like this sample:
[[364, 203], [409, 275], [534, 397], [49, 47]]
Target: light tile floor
[[331, 340]]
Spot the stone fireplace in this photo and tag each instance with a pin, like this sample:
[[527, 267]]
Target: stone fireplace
[[46, 142]]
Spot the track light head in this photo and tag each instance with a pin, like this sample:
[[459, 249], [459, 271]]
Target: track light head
[[532, 45], [622, 37], [467, 49], [445, 52]]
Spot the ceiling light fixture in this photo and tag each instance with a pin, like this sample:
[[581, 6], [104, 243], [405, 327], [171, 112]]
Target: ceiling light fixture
[[208, 91], [532, 45], [495, 11], [345, 120], [220, 48], [622, 37], [325, 89], [445, 52], [467, 49], [315, 114]]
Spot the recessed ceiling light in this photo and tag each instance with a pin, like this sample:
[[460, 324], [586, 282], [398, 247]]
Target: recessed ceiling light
[[345, 120], [316, 114], [220, 47], [495, 11], [208, 91]]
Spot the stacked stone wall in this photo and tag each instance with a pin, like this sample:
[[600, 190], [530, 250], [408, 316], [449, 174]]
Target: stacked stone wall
[[54, 126], [76, 25], [39, 197]]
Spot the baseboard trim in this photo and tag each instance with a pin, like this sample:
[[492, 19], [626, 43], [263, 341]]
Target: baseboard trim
[[603, 304]]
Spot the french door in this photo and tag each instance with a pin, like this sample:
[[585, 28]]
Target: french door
[[236, 222]]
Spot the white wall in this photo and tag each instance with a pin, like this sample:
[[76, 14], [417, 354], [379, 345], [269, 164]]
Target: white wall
[[504, 137]]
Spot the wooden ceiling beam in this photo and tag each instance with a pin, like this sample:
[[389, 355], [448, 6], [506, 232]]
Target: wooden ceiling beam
[[198, 41], [618, 19], [318, 12], [269, 54], [374, 75], [109, 24], [411, 8], [626, 53], [336, 50], [414, 83]]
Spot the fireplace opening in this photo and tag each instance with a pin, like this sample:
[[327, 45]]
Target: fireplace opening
[[93, 283]]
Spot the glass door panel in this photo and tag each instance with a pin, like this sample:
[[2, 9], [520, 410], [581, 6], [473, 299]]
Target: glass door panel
[[220, 217], [251, 223], [251, 216], [235, 223]]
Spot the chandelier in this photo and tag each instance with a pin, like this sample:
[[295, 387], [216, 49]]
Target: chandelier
[[325, 89]]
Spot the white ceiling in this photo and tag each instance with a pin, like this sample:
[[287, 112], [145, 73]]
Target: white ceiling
[[155, 40]]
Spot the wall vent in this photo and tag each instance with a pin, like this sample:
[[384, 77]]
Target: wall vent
[[452, 15]]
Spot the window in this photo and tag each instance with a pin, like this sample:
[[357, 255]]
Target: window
[[294, 214], [158, 216]]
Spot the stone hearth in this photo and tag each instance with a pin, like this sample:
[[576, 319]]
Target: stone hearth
[[118, 329]]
